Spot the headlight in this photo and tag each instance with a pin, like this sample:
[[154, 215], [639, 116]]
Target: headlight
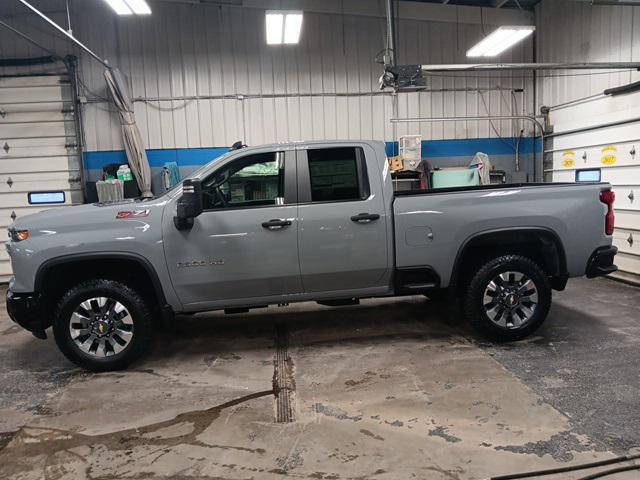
[[18, 235]]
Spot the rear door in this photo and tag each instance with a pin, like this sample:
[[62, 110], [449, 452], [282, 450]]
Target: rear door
[[342, 234]]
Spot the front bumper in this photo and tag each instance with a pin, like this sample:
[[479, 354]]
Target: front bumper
[[601, 262], [26, 310]]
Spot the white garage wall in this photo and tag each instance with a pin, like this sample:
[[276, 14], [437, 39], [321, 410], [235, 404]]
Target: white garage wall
[[576, 31], [37, 148], [615, 150], [326, 87]]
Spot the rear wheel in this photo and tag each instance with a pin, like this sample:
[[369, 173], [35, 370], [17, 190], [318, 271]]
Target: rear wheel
[[508, 298], [102, 325]]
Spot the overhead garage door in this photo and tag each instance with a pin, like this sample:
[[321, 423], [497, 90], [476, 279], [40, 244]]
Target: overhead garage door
[[613, 151], [38, 148]]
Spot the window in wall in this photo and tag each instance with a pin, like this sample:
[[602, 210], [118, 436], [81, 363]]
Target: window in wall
[[336, 174], [254, 180], [43, 198], [588, 175]]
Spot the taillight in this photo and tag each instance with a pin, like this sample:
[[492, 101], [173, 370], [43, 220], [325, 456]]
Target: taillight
[[609, 220]]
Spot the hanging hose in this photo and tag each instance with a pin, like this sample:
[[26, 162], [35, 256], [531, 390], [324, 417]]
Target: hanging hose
[[571, 468]]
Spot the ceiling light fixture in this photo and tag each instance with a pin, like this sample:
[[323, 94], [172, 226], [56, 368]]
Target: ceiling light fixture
[[283, 27], [500, 40], [129, 7]]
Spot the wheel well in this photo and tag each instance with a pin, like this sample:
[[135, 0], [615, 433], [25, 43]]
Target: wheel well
[[542, 246], [54, 280]]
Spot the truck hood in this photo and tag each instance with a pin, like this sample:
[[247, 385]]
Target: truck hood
[[88, 215]]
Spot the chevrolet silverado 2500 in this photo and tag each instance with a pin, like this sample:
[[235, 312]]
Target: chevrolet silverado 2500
[[313, 221]]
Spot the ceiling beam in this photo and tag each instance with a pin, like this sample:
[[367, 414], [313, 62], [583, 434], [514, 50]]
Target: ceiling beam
[[498, 3]]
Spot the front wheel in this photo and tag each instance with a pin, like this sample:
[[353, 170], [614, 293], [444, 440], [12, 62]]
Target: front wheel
[[102, 325], [508, 298]]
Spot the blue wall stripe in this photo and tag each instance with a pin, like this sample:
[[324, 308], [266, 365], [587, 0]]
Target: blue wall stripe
[[184, 157], [193, 157], [469, 147]]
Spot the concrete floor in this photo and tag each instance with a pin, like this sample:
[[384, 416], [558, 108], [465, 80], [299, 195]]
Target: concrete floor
[[392, 389]]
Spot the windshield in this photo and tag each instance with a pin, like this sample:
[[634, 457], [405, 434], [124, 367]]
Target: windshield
[[194, 174]]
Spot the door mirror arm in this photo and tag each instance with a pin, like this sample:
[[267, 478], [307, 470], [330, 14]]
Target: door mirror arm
[[189, 205]]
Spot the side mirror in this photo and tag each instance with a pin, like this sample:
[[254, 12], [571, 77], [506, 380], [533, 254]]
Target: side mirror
[[189, 205]]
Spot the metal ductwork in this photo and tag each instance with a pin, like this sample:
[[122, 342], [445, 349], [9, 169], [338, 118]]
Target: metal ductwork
[[407, 76], [620, 3]]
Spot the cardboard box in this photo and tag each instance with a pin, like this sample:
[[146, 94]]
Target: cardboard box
[[396, 164]]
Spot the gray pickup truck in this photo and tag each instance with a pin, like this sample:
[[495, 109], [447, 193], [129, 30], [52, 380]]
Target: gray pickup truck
[[313, 221]]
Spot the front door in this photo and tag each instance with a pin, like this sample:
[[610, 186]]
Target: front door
[[243, 245]]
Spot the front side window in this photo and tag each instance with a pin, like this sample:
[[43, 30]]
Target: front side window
[[334, 174], [251, 181]]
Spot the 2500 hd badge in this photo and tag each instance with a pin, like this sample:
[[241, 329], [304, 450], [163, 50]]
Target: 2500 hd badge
[[200, 263]]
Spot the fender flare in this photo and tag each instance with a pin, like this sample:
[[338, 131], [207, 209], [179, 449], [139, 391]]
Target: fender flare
[[562, 258], [47, 265]]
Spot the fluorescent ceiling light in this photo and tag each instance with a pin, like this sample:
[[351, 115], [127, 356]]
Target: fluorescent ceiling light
[[283, 27], [129, 7], [139, 7], [120, 7], [292, 27], [275, 23], [500, 40]]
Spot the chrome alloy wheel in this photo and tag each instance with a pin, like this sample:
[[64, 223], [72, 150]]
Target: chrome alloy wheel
[[101, 327], [510, 300]]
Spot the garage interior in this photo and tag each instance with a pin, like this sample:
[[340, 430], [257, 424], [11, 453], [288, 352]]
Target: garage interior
[[392, 388]]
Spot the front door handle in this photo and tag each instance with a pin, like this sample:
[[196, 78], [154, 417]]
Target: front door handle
[[365, 217], [276, 224]]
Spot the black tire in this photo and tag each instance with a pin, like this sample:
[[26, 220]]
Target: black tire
[[139, 316], [474, 299]]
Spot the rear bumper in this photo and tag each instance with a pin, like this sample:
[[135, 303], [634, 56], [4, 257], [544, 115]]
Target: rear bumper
[[601, 262], [26, 310]]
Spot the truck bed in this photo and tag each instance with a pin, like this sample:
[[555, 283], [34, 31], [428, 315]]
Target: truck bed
[[432, 226], [502, 186]]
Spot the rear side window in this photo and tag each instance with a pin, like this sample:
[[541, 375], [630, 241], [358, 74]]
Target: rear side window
[[337, 174]]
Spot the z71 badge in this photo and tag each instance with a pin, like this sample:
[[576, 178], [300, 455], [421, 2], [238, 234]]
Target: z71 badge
[[133, 213]]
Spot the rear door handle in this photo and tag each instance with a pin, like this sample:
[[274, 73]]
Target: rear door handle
[[276, 224], [365, 217]]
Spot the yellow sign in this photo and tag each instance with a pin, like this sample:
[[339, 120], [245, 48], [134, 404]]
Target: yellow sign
[[568, 159], [609, 156]]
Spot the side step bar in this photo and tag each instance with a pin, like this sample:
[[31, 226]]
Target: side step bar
[[341, 302]]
